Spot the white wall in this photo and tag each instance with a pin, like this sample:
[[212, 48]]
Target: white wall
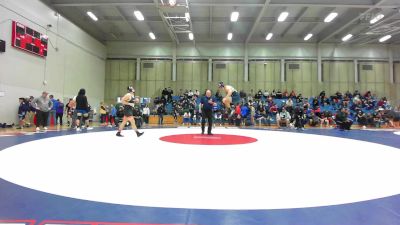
[[234, 50], [78, 63], [339, 52]]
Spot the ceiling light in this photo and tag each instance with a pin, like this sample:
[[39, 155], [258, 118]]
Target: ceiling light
[[234, 16], [191, 36], [187, 16], [376, 18], [152, 36], [138, 15], [269, 36], [172, 2], [347, 37], [385, 38], [330, 17], [306, 38], [230, 35], [91, 15], [282, 17]]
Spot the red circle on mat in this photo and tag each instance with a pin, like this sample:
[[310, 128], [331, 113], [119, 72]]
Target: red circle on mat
[[216, 139]]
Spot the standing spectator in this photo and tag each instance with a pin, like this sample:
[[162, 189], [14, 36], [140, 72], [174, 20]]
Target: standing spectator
[[82, 110], [170, 93], [22, 111], [113, 114], [59, 112], [52, 113], [43, 105], [70, 108], [252, 112], [31, 112], [164, 95], [103, 114], [160, 113], [146, 114]]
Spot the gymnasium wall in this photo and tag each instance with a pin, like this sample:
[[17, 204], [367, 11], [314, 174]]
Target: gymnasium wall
[[78, 62], [264, 68]]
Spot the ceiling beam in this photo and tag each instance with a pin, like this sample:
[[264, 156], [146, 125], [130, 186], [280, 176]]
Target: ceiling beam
[[376, 5], [311, 4], [255, 24], [376, 39], [190, 22], [377, 24], [211, 21], [126, 21], [174, 38], [301, 14]]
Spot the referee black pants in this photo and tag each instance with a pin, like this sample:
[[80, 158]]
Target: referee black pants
[[207, 114]]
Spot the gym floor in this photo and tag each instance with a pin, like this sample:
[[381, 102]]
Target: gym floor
[[178, 176]]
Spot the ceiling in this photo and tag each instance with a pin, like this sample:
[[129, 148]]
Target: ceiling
[[210, 20]]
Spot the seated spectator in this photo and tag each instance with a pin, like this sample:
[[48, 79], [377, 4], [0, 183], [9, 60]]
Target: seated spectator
[[273, 94], [279, 94], [266, 94], [245, 112], [292, 94], [273, 110], [285, 94], [218, 118], [283, 118], [342, 120], [258, 95], [186, 119], [327, 118], [313, 119], [299, 118], [315, 103]]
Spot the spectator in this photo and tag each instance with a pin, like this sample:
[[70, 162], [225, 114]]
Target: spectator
[[59, 112], [160, 113], [103, 113], [22, 111], [342, 120], [299, 118], [113, 114], [43, 105], [146, 114], [52, 112], [82, 110], [186, 119], [283, 118]]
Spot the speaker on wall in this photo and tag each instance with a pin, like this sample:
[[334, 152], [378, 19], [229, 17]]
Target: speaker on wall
[[2, 46]]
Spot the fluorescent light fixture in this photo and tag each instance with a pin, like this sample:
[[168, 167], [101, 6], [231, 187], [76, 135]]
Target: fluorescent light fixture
[[269, 36], [187, 16], [152, 36], [282, 17], [91, 15], [230, 35], [347, 37], [191, 36], [172, 2], [307, 37], [234, 16], [330, 17], [376, 18], [138, 15], [385, 38]]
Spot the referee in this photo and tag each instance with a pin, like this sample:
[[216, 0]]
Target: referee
[[207, 104]]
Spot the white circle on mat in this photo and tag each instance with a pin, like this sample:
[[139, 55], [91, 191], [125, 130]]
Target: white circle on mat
[[280, 170]]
